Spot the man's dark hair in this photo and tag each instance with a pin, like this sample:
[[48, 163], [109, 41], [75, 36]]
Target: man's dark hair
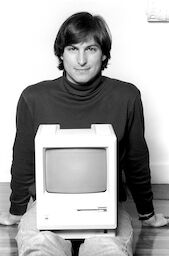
[[79, 28]]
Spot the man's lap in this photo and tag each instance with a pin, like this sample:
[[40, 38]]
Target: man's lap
[[31, 241]]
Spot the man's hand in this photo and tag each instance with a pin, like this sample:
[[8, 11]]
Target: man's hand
[[9, 219], [158, 220]]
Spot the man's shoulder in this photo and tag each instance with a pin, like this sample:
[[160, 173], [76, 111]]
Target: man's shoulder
[[121, 88], [41, 88]]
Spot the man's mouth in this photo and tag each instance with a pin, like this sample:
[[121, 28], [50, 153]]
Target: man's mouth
[[82, 69]]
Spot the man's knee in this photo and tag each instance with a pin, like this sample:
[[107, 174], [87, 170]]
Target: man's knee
[[43, 243], [105, 246]]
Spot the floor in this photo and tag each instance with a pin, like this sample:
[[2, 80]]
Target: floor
[[150, 241], [147, 241]]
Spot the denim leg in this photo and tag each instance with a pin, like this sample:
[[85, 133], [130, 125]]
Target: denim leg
[[121, 245], [32, 242]]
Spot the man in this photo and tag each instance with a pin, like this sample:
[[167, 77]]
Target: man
[[80, 97]]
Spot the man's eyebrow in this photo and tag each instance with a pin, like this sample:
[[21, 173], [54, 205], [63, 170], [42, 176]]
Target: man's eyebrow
[[94, 44], [89, 45], [69, 45]]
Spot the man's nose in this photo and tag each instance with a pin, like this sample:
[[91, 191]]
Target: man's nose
[[82, 58]]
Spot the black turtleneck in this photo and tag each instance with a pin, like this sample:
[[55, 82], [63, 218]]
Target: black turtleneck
[[103, 100], [87, 90]]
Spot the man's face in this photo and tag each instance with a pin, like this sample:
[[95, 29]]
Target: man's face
[[82, 61]]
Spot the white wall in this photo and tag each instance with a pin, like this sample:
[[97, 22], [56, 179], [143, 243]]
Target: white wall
[[140, 55]]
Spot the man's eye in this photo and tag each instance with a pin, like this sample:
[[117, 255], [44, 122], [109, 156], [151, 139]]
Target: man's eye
[[92, 49], [71, 48]]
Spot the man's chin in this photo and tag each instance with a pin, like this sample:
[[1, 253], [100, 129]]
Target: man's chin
[[82, 80]]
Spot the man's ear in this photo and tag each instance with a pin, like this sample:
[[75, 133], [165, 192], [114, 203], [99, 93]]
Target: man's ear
[[104, 57]]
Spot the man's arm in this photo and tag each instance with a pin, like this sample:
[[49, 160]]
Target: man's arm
[[22, 169], [137, 168]]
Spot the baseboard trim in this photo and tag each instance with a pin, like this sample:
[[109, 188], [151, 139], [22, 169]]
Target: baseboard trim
[[159, 173], [160, 191]]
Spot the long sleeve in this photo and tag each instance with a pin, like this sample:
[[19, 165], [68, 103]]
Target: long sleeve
[[22, 169], [137, 160]]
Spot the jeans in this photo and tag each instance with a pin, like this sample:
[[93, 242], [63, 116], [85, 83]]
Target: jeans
[[32, 242]]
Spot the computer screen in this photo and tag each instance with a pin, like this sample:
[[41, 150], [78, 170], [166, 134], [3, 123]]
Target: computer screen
[[75, 170]]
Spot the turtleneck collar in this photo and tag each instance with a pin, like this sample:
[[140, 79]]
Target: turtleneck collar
[[83, 90]]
